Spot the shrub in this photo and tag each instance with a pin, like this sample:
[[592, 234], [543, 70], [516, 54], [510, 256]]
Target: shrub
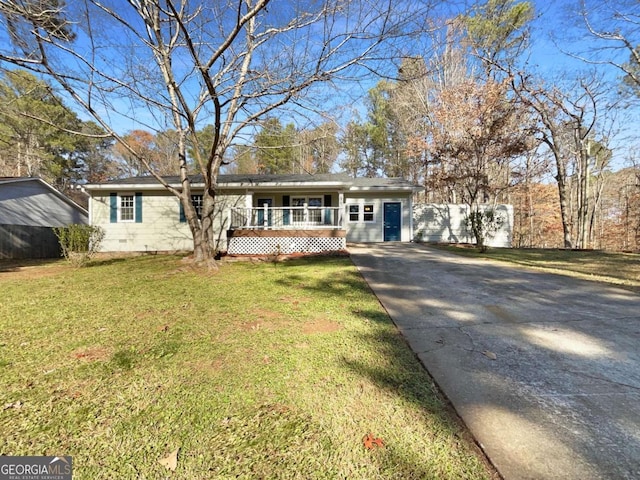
[[483, 225], [79, 242]]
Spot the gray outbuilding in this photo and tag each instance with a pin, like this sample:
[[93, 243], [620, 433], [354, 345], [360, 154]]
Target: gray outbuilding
[[29, 208]]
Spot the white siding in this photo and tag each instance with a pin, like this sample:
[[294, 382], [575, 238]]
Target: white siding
[[160, 229], [442, 223], [373, 231]]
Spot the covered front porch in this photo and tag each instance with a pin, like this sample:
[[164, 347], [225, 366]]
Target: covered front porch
[[285, 223]]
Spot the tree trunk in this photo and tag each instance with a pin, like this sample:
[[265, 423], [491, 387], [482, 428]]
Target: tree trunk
[[582, 186], [202, 231], [563, 194], [203, 254]]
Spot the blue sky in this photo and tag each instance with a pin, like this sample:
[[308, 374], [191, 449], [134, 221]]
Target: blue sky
[[553, 31]]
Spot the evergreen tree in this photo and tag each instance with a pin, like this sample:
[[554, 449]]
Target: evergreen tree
[[35, 132], [274, 146]]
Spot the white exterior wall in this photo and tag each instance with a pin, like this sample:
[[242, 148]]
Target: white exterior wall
[[160, 229], [445, 223], [374, 231]]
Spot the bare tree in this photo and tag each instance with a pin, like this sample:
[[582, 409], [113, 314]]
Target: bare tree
[[476, 129], [570, 123], [181, 64], [630, 191], [615, 27], [318, 148], [416, 95]]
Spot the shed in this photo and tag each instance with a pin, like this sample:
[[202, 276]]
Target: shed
[[29, 209]]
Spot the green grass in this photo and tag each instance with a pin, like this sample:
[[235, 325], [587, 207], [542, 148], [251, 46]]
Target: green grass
[[621, 269], [260, 371]]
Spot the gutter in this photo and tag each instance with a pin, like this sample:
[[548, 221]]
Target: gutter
[[253, 186]]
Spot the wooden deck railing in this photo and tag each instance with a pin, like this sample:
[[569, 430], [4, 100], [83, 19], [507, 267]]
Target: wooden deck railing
[[295, 218]]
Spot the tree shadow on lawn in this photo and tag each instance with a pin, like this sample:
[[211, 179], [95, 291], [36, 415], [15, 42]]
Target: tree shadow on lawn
[[15, 265], [350, 281], [399, 372], [104, 262]]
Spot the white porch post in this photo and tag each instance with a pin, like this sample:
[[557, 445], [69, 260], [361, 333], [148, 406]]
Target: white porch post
[[265, 218], [410, 201], [305, 217], [340, 208], [248, 204]]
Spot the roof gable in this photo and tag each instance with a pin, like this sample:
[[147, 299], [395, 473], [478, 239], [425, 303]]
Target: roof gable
[[32, 201]]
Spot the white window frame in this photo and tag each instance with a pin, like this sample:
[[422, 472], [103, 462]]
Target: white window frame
[[356, 212], [317, 214], [359, 212], [121, 207], [197, 201], [372, 212]]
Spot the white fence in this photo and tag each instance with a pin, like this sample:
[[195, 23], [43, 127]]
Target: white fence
[[446, 223]]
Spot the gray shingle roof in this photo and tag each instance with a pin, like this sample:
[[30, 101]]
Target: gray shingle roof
[[257, 179], [381, 182], [236, 178]]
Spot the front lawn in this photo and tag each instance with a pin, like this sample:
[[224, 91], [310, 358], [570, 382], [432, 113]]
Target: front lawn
[[621, 269], [260, 371]]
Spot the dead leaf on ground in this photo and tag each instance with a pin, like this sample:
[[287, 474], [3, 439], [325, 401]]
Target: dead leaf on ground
[[490, 355], [17, 405], [370, 442], [170, 462]]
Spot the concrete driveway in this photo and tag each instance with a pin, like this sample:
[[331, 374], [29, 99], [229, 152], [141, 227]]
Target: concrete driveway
[[544, 369]]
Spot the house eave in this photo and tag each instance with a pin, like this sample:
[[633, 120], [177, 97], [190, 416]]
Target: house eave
[[255, 183], [283, 185], [132, 186], [221, 186], [408, 189]]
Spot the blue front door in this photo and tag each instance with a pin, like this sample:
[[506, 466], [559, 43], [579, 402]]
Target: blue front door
[[392, 221]]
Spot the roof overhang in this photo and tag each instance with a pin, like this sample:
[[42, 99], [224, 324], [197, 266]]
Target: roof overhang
[[221, 186], [335, 182], [386, 188]]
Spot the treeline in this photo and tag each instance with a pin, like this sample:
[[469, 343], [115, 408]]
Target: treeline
[[470, 119], [473, 123], [40, 136]]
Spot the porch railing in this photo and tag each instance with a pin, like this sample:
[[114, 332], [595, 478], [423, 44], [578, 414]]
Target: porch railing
[[266, 217]]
